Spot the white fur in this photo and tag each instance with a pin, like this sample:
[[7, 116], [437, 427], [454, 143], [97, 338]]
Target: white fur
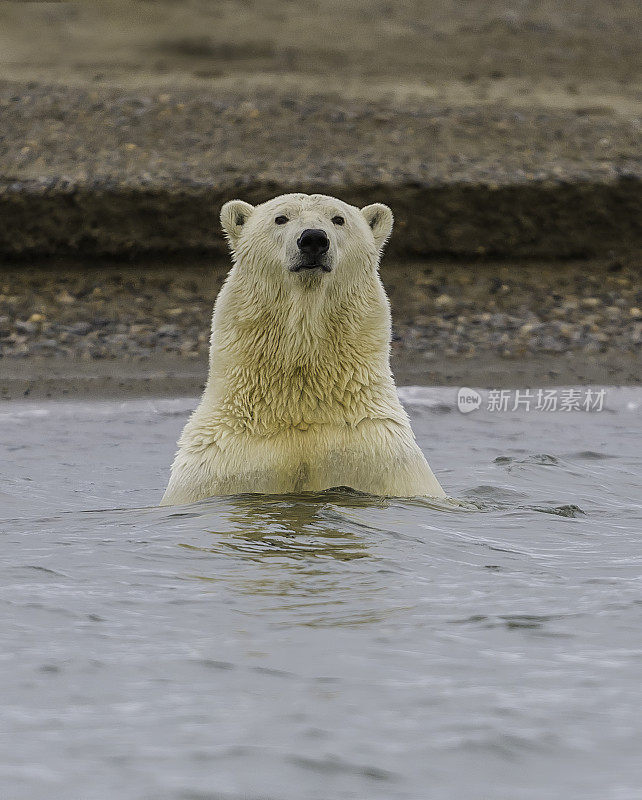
[[300, 396]]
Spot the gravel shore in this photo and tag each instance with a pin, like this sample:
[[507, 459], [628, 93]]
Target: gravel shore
[[579, 316]]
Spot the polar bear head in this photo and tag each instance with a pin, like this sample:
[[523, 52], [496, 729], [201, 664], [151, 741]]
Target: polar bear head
[[301, 237]]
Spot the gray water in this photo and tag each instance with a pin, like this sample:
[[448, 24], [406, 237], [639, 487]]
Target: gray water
[[325, 646]]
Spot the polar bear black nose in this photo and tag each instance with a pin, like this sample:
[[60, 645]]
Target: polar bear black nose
[[313, 242]]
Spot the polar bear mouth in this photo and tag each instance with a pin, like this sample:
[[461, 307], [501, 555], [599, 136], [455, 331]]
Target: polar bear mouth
[[311, 265]]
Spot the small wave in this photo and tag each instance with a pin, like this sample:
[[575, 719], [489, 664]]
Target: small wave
[[491, 498], [508, 621], [591, 455], [539, 459], [46, 570], [561, 511], [335, 766]]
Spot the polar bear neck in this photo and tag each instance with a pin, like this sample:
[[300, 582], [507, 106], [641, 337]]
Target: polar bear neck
[[293, 357]]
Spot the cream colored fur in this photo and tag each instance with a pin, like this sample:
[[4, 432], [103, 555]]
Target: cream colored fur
[[300, 396]]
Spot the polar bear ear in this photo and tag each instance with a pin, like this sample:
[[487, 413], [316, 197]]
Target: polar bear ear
[[379, 218], [234, 215]]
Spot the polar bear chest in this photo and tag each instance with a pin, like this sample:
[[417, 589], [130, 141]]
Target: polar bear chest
[[318, 458]]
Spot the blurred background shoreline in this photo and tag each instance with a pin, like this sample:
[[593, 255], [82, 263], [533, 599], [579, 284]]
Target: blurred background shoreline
[[505, 136]]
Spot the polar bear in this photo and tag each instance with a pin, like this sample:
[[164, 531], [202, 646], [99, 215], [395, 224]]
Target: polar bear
[[300, 396]]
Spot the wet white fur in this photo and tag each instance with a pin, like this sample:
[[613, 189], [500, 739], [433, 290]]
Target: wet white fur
[[300, 396]]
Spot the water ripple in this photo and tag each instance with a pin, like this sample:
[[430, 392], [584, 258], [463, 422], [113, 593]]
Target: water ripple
[[330, 644]]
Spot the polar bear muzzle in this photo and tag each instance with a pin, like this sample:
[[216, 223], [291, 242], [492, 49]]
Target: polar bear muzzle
[[313, 246]]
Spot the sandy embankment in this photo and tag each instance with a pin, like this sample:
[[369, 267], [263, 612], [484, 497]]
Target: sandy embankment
[[489, 129]]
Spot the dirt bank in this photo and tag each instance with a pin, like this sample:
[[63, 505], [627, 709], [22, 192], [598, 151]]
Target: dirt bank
[[489, 129], [124, 173]]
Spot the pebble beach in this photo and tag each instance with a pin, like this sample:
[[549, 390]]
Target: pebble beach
[[561, 318]]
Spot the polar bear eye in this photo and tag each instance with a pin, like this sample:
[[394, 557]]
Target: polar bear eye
[[281, 220], [338, 220]]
